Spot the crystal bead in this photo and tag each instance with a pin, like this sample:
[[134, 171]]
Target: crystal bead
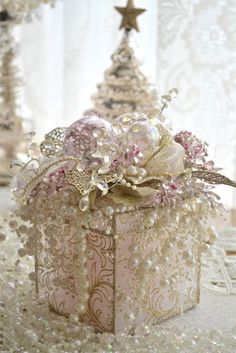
[[102, 185], [84, 203]]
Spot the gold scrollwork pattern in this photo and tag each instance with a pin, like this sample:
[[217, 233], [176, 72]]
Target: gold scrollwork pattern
[[120, 286]]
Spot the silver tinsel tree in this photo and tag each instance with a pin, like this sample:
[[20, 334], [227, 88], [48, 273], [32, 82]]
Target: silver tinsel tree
[[12, 137], [125, 88], [11, 132]]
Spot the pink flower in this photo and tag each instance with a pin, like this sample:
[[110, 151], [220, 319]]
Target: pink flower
[[50, 183], [195, 149], [169, 193], [130, 155], [209, 165]]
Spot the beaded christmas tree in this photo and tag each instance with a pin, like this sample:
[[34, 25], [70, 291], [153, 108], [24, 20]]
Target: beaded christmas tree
[[12, 137], [125, 88], [11, 132]]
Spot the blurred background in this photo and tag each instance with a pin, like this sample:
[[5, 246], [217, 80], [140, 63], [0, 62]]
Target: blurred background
[[187, 44]]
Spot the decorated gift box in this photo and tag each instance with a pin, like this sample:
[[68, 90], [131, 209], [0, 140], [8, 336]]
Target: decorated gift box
[[114, 215]]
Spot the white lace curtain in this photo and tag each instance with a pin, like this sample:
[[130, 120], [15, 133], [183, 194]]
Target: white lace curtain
[[188, 44]]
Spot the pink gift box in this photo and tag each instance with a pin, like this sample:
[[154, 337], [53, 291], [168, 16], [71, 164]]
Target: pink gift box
[[126, 287]]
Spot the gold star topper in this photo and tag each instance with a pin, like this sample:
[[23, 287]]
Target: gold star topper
[[129, 15]]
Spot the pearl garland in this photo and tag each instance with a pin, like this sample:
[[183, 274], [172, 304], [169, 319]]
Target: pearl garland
[[55, 210], [61, 214], [30, 327]]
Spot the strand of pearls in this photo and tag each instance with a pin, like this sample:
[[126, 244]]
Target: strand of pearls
[[81, 270], [29, 327]]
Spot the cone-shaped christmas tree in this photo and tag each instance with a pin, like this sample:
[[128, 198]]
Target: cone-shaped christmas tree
[[11, 132], [125, 88], [12, 116]]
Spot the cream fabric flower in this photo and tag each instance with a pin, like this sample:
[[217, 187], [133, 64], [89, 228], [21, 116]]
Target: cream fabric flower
[[168, 160]]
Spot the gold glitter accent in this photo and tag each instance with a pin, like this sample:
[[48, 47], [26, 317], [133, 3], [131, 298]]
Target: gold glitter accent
[[212, 177], [82, 180], [79, 179]]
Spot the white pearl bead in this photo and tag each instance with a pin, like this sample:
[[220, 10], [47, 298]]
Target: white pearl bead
[[133, 248], [187, 254], [164, 283], [84, 285], [141, 292], [134, 263], [109, 211], [150, 222], [213, 235], [131, 317], [89, 253], [123, 209], [131, 170], [156, 269], [147, 264], [142, 172], [83, 247], [181, 244], [205, 247], [81, 308], [85, 297], [166, 259], [153, 215], [83, 271]]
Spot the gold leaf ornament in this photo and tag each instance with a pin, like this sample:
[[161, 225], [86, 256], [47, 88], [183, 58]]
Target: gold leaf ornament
[[80, 180], [212, 177], [85, 182]]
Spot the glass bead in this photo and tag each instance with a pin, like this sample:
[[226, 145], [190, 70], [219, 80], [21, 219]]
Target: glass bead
[[84, 203]]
